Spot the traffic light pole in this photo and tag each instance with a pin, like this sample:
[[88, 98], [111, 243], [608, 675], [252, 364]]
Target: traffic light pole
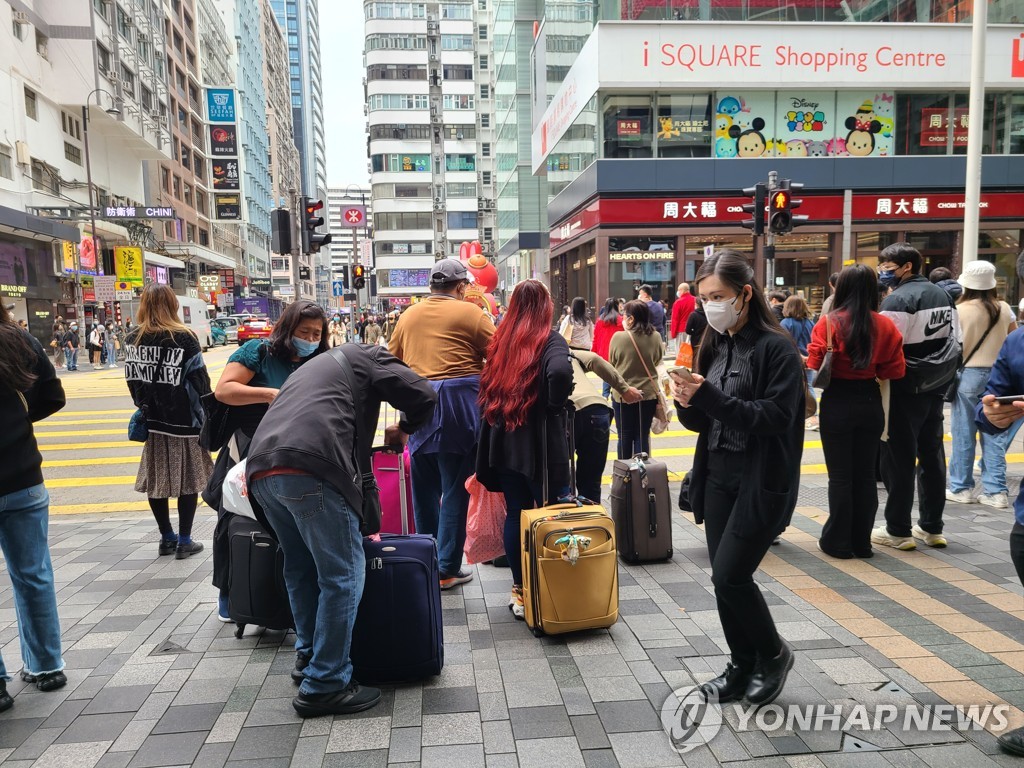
[[297, 225], [769, 239]]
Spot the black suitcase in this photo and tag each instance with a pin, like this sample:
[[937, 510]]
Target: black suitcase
[[399, 632], [642, 509], [256, 590]]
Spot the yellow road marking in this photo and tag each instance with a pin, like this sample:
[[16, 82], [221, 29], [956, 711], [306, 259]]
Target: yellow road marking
[[59, 414], [80, 482], [82, 422], [44, 447], [80, 433], [91, 462], [102, 509]]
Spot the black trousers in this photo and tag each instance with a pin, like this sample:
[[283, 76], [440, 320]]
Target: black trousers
[[914, 454], [1017, 549], [590, 430], [851, 425], [748, 624], [634, 424]]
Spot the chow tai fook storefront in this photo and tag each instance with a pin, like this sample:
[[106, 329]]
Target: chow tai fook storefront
[[614, 245]]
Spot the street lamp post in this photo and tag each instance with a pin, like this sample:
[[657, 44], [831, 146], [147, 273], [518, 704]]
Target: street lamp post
[[112, 110]]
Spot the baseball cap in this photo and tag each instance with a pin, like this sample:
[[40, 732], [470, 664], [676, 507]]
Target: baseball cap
[[448, 271], [978, 276]]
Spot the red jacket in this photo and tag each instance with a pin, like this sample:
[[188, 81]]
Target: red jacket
[[603, 333], [681, 311], [886, 351]]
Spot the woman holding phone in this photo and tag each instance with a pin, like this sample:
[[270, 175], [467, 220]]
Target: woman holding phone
[[635, 353], [748, 410]]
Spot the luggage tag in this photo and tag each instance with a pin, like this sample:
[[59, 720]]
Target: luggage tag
[[571, 546]]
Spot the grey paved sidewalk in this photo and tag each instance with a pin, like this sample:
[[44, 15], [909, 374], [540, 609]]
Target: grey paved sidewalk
[[156, 680]]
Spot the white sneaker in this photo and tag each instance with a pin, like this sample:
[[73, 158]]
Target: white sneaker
[[883, 538], [931, 539], [997, 500], [960, 497], [112, 365], [515, 603]]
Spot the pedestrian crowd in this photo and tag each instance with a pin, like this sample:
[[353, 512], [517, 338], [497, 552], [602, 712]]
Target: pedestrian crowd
[[512, 402]]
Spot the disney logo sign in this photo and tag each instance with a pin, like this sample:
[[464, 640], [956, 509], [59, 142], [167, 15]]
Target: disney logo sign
[[804, 104]]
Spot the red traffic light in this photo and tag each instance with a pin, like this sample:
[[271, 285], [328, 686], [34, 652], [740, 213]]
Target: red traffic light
[[780, 200], [313, 206]]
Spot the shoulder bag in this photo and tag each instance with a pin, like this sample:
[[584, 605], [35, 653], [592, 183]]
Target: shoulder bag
[[372, 515], [221, 420], [824, 375], [954, 385], [662, 414]]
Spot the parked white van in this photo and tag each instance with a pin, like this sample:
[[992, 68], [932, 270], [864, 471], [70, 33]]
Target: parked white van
[[195, 313]]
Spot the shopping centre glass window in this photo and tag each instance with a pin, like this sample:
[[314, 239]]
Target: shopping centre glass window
[[627, 126], [684, 126], [632, 263]]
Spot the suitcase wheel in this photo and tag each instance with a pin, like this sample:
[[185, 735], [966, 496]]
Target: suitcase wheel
[[537, 632], [240, 631]]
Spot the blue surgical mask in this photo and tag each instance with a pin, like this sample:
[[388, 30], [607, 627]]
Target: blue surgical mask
[[304, 348], [887, 277]]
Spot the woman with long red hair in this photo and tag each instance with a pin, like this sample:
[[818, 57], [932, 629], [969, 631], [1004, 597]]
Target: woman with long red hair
[[524, 390]]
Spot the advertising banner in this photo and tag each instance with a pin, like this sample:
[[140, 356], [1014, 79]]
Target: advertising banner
[[227, 207], [220, 105], [866, 123], [223, 141], [88, 248], [806, 123], [745, 124], [104, 287], [225, 175], [257, 306], [128, 265]]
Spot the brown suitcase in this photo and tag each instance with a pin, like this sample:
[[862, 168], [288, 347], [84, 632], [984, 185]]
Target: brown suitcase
[[559, 596], [642, 509]]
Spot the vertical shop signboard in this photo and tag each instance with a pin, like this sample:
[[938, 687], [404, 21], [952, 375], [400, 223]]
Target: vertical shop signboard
[[225, 168]]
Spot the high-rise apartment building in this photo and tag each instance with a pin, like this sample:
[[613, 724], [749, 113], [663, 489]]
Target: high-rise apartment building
[[429, 108], [285, 171], [657, 114], [55, 58], [181, 180], [217, 65], [254, 147], [300, 20]]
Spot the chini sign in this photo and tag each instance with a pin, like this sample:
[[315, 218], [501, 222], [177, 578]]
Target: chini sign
[[710, 56]]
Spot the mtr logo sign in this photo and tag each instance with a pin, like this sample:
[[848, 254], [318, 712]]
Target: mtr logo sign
[[1017, 65]]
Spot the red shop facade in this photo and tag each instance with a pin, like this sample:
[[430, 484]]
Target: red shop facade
[[612, 245]]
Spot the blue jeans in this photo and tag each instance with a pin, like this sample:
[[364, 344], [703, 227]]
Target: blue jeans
[[24, 520], [324, 570], [965, 433], [440, 503], [72, 358], [111, 352]]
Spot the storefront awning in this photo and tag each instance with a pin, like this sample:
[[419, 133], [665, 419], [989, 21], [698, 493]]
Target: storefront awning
[[36, 227], [163, 261]]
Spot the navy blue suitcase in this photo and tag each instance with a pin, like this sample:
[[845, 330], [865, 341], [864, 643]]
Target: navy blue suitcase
[[399, 633]]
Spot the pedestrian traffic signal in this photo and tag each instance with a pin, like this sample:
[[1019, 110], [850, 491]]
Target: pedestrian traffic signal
[[781, 220], [794, 188], [358, 276], [312, 241], [759, 193], [281, 231]]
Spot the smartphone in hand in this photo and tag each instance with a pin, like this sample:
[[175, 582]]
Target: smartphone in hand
[[681, 374], [1009, 399]]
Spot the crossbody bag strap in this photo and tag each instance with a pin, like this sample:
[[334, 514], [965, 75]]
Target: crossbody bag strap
[[980, 342], [828, 335], [642, 361], [346, 367]]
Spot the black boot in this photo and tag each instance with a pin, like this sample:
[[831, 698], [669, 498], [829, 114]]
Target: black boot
[[770, 676], [731, 685], [301, 662], [6, 702], [1011, 741]]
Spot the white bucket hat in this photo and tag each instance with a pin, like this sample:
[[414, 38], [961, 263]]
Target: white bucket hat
[[978, 276]]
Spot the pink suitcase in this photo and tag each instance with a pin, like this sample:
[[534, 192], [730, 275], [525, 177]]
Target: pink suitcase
[[394, 478]]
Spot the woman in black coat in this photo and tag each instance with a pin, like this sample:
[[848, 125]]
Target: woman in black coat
[[748, 409]]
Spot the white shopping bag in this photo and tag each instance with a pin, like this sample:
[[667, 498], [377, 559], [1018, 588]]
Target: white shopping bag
[[235, 493]]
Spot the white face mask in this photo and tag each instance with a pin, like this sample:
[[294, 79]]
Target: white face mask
[[722, 315]]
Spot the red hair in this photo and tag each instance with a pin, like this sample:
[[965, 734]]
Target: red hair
[[509, 382]]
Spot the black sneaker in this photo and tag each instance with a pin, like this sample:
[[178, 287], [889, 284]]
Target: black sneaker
[[187, 550], [51, 681], [301, 662], [6, 702], [167, 546], [355, 698], [453, 580]]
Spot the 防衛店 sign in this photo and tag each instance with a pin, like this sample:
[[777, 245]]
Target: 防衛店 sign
[[642, 256]]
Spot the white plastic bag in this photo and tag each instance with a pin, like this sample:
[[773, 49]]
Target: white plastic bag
[[235, 493]]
